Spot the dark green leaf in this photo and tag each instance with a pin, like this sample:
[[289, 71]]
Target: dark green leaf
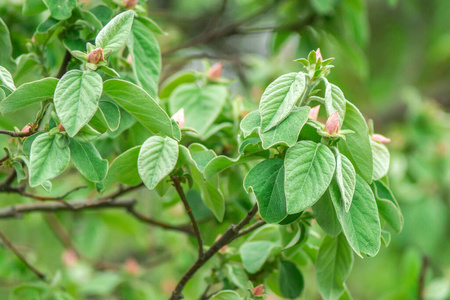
[[290, 280]]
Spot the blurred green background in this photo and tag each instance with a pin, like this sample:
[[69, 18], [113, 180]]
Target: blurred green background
[[392, 60]]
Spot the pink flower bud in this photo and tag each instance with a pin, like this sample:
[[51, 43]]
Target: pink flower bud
[[130, 4], [318, 55], [33, 39], [380, 139], [70, 258], [258, 290], [179, 117], [95, 56], [61, 128], [314, 112], [215, 72], [129, 59], [26, 129], [132, 267], [332, 124]]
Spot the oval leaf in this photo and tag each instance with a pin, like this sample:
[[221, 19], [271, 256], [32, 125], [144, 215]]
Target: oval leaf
[[6, 78], [60, 9], [114, 35], [88, 161], [124, 169], [388, 206], [334, 101], [290, 280], [345, 178], [380, 160]]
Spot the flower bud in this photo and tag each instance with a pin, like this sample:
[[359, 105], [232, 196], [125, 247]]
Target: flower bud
[[130, 4], [70, 258], [61, 128], [95, 56], [314, 112], [318, 55], [215, 72], [179, 117], [132, 267], [332, 124], [380, 139], [26, 129], [258, 290]]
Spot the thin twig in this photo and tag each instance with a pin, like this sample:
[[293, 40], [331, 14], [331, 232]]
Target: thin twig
[[252, 227], [8, 243], [17, 133], [60, 232], [177, 185]]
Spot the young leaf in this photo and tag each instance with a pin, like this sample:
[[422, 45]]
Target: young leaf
[[140, 105], [88, 161], [226, 295], [380, 160], [6, 78], [309, 168], [87, 134], [361, 225], [334, 101], [356, 147], [287, 131], [333, 265], [254, 254], [110, 113], [266, 180], [201, 105], [145, 56], [124, 169], [61, 9], [150, 24], [388, 206], [76, 99], [47, 159], [6, 49], [114, 35], [157, 159], [250, 123], [325, 215], [290, 280], [176, 80], [345, 178], [33, 7], [279, 99], [29, 93]]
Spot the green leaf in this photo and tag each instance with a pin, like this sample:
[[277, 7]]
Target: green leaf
[[88, 161], [76, 99], [114, 35], [388, 206], [237, 275], [110, 113], [47, 25], [201, 105], [157, 158], [334, 100], [47, 159], [226, 295], [255, 254], [309, 169], [290, 280], [250, 123], [201, 155], [145, 56], [103, 13], [140, 105], [345, 177], [124, 169], [87, 134], [333, 265], [61, 9], [266, 180], [150, 24], [6, 46], [6, 78], [29, 142], [288, 130], [28, 94], [279, 99], [356, 147], [176, 80], [361, 225], [33, 7], [221, 163], [325, 215], [380, 160]]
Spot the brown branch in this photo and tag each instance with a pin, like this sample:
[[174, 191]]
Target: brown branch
[[64, 64], [20, 190], [177, 185], [252, 227], [228, 236], [17, 133], [8, 243]]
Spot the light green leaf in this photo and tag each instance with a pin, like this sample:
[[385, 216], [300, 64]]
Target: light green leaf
[[334, 100], [47, 159], [250, 123], [157, 158], [255, 254], [114, 35], [361, 225], [145, 56], [333, 265], [221, 163], [28, 94], [150, 24], [325, 215], [279, 99], [381, 160], [201, 155], [124, 169], [226, 295], [266, 180], [288, 130], [76, 99], [237, 275], [176, 80], [356, 146], [33, 7], [110, 113], [388, 206], [290, 280], [6, 49], [201, 105], [6, 78], [88, 161], [309, 168], [385, 237], [87, 134], [61, 9], [345, 177], [140, 105]]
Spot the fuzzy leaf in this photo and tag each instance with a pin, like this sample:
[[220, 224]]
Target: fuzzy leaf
[[114, 35], [88, 161]]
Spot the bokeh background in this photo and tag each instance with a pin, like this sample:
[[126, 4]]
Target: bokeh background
[[392, 60]]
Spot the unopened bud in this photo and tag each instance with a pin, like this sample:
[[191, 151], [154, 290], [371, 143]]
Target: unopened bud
[[130, 4], [179, 117], [61, 128], [70, 258], [318, 55], [95, 56], [258, 290], [26, 129], [132, 267], [380, 139], [332, 124], [215, 72], [314, 112]]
